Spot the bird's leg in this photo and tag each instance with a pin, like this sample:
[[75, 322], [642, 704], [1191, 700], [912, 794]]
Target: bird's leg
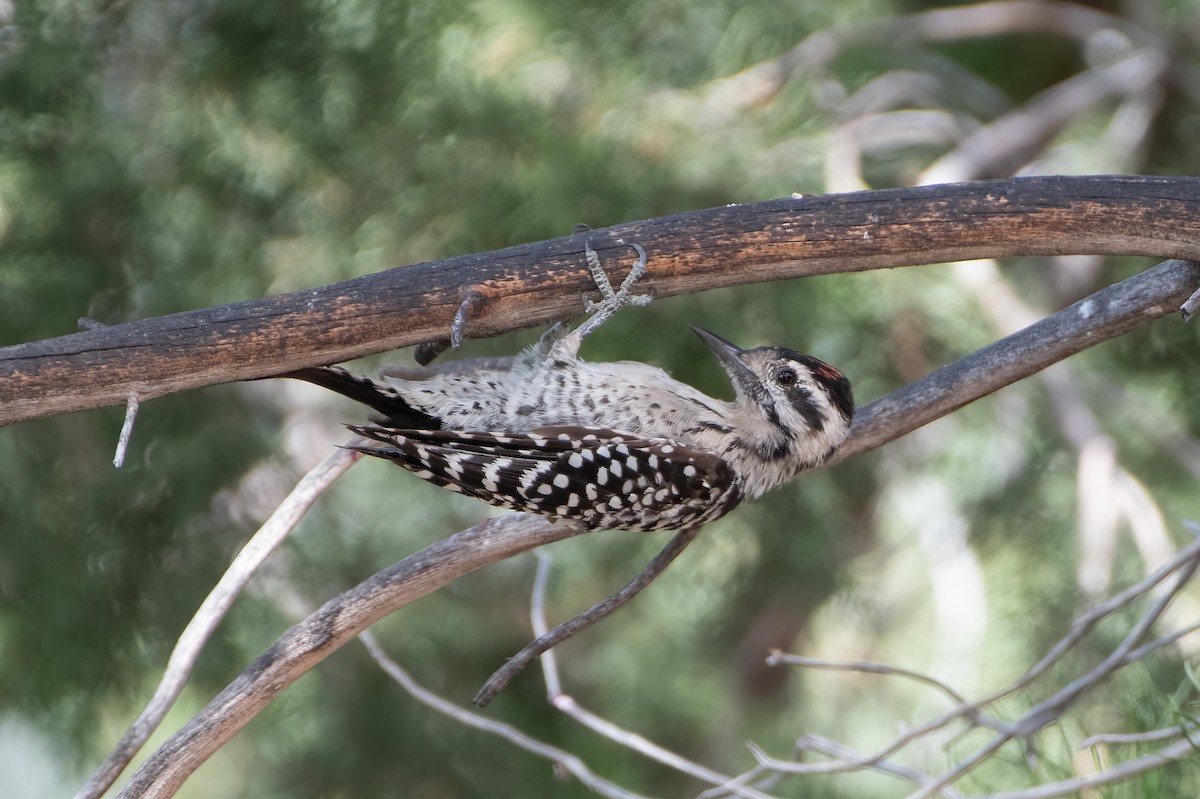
[[556, 342], [613, 299], [565, 348]]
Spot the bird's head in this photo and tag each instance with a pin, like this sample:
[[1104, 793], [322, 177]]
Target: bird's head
[[796, 393]]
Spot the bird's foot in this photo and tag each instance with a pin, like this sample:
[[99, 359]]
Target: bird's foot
[[612, 300]]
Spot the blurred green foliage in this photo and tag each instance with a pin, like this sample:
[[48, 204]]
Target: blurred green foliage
[[157, 157]]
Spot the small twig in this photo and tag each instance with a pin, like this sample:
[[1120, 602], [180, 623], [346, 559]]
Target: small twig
[[1009, 141], [833, 749], [1117, 739], [561, 758], [132, 404], [844, 759], [759, 84], [653, 751], [1049, 709], [776, 657], [131, 409], [600, 610], [1124, 771], [210, 613], [1159, 643], [1088, 621], [740, 781], [537, 619], [630, 740], [1190, 306]]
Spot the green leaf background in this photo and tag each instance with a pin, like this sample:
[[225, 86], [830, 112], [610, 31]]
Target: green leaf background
[[158, 157]]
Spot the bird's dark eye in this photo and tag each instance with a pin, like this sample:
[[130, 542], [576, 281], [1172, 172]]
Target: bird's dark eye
[[786, 377]]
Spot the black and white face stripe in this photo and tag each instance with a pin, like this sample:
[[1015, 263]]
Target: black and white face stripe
[[835, 384], [799, 392], [603, 478], [762, 374]]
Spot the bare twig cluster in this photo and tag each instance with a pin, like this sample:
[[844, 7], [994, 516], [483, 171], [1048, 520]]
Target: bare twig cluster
[[839, 758], [1134, 647], [1148, 296]]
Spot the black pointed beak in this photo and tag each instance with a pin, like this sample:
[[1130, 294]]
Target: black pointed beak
[[732, 361]]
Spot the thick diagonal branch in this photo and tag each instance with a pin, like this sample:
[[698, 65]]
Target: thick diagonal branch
[[537, 283], [1110, 312]]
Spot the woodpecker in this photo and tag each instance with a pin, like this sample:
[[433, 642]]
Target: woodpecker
[[618, 445]]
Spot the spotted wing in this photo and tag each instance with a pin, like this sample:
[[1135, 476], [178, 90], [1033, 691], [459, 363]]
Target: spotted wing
[[603, 478]]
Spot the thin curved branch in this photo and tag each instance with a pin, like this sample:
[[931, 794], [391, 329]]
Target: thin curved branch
[[273, 532], [1109, 776], [776, 657], [1152, 294], [728, 97], [630, 740], [537, 283], [338, 621], [566, 760], [595, 613]]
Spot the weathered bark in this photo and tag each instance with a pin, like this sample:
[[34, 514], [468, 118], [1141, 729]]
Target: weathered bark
[[537, 283]]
